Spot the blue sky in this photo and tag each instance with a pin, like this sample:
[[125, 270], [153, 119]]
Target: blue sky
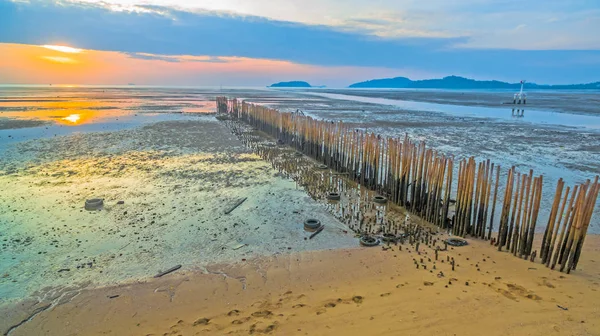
[[542, 41]]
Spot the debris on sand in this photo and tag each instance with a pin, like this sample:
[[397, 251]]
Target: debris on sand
[[93, 204], [170, 270], [317, 232], [237, 204]]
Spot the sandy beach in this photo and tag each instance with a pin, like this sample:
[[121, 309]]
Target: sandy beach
[[361, 291]]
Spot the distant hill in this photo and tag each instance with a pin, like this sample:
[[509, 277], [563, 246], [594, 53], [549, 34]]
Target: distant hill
[[456, 82], [294, 84]]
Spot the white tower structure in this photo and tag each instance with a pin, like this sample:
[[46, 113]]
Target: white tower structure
[[520, 97]]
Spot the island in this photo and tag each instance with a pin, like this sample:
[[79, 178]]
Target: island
[[292, 84], [457, 82]]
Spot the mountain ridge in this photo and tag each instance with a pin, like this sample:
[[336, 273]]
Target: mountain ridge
[[457, 82]]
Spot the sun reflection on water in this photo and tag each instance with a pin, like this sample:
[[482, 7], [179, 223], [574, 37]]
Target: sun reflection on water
[[74, 118]]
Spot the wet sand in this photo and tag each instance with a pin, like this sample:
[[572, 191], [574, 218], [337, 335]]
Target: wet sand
[[7, 123], [362, 291], [175, 179]]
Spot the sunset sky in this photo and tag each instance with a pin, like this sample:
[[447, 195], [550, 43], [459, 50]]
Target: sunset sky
[[325, 42]]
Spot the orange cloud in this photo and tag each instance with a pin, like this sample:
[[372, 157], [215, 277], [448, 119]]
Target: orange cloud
[[29, 64]]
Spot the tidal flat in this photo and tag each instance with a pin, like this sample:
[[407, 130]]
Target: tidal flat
[[167, 171]]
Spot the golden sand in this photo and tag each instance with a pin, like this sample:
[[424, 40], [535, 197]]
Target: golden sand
[[362, 291]]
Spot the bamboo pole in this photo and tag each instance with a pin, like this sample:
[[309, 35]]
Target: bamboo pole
[[551, 221], [494, 203], [554, 236]]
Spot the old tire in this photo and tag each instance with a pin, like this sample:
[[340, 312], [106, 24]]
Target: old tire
[[298, 154], [312, 224], [94, 204], [322, 166], [389, 238], [456, 242], [333, 196], [369, 241], [379, 199]]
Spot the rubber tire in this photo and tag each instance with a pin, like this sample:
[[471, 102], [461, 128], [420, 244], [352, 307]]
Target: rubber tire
[[333, 196], [456, 242], [94, 204], [389, 238], [298, 154], [322, 166], [369, 241], [380, 199], [312, 224]]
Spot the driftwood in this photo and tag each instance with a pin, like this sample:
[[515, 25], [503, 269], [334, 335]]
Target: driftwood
[[170, 270], [237, 204], [317, 232]]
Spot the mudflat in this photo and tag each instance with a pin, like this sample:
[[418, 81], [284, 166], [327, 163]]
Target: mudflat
[[166, 188]]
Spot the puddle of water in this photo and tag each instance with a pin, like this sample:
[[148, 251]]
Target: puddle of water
[[517, 113], [117, 124]]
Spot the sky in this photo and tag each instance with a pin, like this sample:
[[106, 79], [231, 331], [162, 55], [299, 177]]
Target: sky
[[324, 42]]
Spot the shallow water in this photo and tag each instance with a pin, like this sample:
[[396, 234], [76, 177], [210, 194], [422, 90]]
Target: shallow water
[[176, 172], [515, 113]]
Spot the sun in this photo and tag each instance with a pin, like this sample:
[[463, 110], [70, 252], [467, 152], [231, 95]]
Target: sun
[[60, 59], [64, 49]]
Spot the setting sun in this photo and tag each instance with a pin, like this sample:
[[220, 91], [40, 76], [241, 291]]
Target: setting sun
[[64, 49], [59, 59]]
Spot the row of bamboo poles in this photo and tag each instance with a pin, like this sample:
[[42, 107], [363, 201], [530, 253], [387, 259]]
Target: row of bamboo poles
[[565, 248], [357, 210], [520, 213], [421, 180]]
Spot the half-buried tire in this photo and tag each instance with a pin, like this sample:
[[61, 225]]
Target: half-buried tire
[[94, 204], [312, 224], [389, 238], [456, 242], [333, 196], [369, 241], [379, 199]]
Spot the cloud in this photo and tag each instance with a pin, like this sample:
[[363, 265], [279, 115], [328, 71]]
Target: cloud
[[29, 64], [166, 33], [176, 32], [178, 58]]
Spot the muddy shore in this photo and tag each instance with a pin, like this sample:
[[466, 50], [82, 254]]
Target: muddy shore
[[554, 151], [174, 180], [581, 102]]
